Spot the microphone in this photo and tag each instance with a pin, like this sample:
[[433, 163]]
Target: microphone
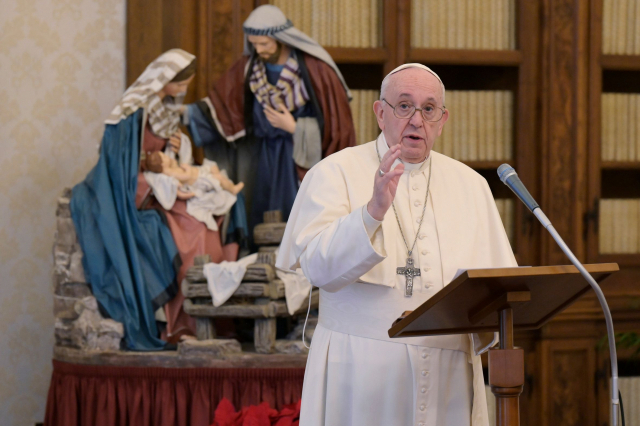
[[509, 177]]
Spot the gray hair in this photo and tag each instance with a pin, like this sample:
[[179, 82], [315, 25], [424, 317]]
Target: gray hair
[[387, 79]]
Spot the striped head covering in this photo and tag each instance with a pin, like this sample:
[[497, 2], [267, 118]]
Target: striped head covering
[[268, 20], [163, 114], [287, 91]]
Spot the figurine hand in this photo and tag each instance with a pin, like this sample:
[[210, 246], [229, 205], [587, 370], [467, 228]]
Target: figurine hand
[[174, 141], [185, 195], [282, 120], [384, 187]]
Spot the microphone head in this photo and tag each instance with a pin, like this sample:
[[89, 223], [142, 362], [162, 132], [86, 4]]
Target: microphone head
[[504, 171]]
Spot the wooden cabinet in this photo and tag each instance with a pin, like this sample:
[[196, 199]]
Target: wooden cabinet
[[557, 73]]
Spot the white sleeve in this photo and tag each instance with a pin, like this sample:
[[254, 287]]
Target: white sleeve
[[370, 224], [326, 236]]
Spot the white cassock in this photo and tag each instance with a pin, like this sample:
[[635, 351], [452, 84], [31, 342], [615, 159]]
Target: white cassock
[[356, 375]]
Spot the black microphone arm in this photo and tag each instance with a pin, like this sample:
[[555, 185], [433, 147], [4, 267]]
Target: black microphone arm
[[509, 177]]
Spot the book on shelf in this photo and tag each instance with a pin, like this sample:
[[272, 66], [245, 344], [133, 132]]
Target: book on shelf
[[619, 226], [364, 119], [620, 131], [336, 23], [620, 27], [463, 24], [479, 127]]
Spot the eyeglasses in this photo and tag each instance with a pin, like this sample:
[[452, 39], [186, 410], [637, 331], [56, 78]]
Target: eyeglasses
[[406, 110]]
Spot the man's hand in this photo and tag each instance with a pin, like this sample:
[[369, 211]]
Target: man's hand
[[384, 187], [281, 120], [175, 140]]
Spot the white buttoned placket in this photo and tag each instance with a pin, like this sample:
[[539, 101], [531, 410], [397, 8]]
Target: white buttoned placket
[[426, 256]]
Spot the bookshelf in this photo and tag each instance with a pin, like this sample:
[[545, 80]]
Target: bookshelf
[[614, 110]]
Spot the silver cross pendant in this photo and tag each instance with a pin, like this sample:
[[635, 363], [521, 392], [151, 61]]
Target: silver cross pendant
[[409, 272]]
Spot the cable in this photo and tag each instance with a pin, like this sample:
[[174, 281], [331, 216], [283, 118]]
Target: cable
[[621, 407], [307, 319]]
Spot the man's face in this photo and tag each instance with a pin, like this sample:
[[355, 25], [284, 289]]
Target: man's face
[[179, 87], [416, 136], [267, 48]]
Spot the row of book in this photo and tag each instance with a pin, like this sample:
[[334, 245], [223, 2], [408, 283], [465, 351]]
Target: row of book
[[337, 23], [506, 208], [364, 119], [463, 24], [480, 126], [621, 27], [620, 139], [619, 230]]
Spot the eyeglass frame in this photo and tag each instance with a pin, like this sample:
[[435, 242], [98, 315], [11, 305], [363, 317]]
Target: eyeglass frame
[[415, 108]]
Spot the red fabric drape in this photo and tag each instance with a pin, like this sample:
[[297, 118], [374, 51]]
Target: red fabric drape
[[256, 415], [87, 395]]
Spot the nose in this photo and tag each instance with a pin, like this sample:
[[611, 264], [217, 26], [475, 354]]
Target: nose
[[416, 119]]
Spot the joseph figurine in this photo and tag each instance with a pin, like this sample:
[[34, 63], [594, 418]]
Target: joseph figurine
[[281, 108]]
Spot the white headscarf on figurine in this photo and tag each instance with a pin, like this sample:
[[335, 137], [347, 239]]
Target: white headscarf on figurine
[[268, 20], [163, 113], [411, 65]]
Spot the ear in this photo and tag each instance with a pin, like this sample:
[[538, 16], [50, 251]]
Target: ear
[[378, 110], [443, 120]]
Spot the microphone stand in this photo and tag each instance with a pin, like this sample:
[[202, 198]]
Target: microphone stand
[[509, 177], [615, 402]]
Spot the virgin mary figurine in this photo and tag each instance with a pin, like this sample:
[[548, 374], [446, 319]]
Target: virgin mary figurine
[[135, 252]]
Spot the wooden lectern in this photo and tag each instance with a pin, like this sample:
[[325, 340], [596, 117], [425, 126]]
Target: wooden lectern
[[489, 300]]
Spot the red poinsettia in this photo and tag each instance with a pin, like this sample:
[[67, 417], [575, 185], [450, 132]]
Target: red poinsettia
[[256, 415]]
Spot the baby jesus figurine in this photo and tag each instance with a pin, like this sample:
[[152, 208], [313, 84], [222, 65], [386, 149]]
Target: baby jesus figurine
[[207, 189]]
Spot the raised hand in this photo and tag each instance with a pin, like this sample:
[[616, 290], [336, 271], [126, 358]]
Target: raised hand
[[385, 187], [281, 120]]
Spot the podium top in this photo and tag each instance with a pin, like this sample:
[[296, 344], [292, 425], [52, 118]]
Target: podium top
[[455, 309]]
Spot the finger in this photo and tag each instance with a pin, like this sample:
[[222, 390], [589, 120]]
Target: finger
[[388, 159], [393, 152], [270, 113]]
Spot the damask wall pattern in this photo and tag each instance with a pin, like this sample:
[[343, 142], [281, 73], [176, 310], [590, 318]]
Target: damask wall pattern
[[61, 71]]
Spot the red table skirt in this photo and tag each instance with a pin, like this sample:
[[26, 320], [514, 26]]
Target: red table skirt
[[89, 395]]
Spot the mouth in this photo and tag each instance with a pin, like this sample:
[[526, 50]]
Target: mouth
[[413, 137]]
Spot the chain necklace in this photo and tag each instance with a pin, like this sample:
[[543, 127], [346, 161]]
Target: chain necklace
[[409, 271]]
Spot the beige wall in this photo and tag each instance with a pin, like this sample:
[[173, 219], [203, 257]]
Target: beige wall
[[61, 71]]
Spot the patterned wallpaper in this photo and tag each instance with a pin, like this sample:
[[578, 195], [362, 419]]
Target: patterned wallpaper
[[61, 72]]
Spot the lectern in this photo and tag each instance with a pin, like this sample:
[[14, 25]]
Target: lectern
[[502, 299]]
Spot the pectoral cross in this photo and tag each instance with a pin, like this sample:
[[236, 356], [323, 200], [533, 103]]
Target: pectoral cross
[[409, 272]]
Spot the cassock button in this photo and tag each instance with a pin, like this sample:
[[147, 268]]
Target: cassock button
[[426, 269], [423, 390], [424, 252], [414, 187], [418, 220], [413, 174], [421, 236], [422, 407], [424, 355], [425, 372], [417, 203]]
